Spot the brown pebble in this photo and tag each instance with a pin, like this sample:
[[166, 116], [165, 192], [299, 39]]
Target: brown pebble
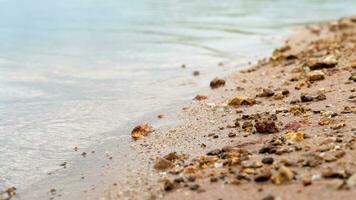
[[267, 160], [231, 134], [216, 83]]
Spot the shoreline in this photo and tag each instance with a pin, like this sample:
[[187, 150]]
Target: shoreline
[[198, 123]]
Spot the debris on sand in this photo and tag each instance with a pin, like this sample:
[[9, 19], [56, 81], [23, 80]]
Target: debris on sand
[[140, 131], [216, 83], [292, 122]]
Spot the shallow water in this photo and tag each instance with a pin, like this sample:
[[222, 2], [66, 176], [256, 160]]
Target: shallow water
[[73, 72]]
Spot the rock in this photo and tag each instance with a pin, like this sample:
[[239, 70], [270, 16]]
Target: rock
[[140, 131], [326, 118], [242, 100], [269, 197], [306, 181], [194, 187], [328, 172], [321, 63], [280, 52], [316, 75], [320, 97], [231, 134], [8, 193], [296, 136], [265, 125], [293, 125], [336, 184], [266, 93], [167, 185], [172, 156], [251, 164], [353, 77], [216, 83], [267, 160], [190, 169], [285, 92], [196, 73], [200, 97], [351, 181], [283, 175], [214, 152], [247, 126], [339, 126], [179, 180], [162, 164], [306, 98], [296, 110], [263, 175]]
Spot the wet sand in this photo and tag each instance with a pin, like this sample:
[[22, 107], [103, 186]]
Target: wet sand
[[289, 133]]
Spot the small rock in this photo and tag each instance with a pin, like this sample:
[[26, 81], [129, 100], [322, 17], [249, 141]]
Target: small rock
[[320, 63], [247, 126], [200, 97], [214, 152], [295, 136], [306, 181], [242, 100], [140, 131], [231, 134], [336, 184], [306, 98], [265, 125], [171, 156], [263, 175], [351, 181], [353, 77], [320, 97], [216, 83], [251, 164], [293, 125], [194, 187], [316, 75], [167, 185], [266, 93], [283, 175], [269, 197], [267, 160], [162, 164], [179, 180], [196, 73]]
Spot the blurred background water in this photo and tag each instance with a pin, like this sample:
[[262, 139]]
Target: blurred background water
[[72, 71]]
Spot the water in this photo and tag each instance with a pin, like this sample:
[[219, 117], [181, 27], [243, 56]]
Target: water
[[73, 72]]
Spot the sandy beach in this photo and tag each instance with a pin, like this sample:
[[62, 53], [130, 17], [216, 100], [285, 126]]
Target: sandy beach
[[282, 129]]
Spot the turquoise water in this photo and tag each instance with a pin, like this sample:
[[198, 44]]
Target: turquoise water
[[73, 72]]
